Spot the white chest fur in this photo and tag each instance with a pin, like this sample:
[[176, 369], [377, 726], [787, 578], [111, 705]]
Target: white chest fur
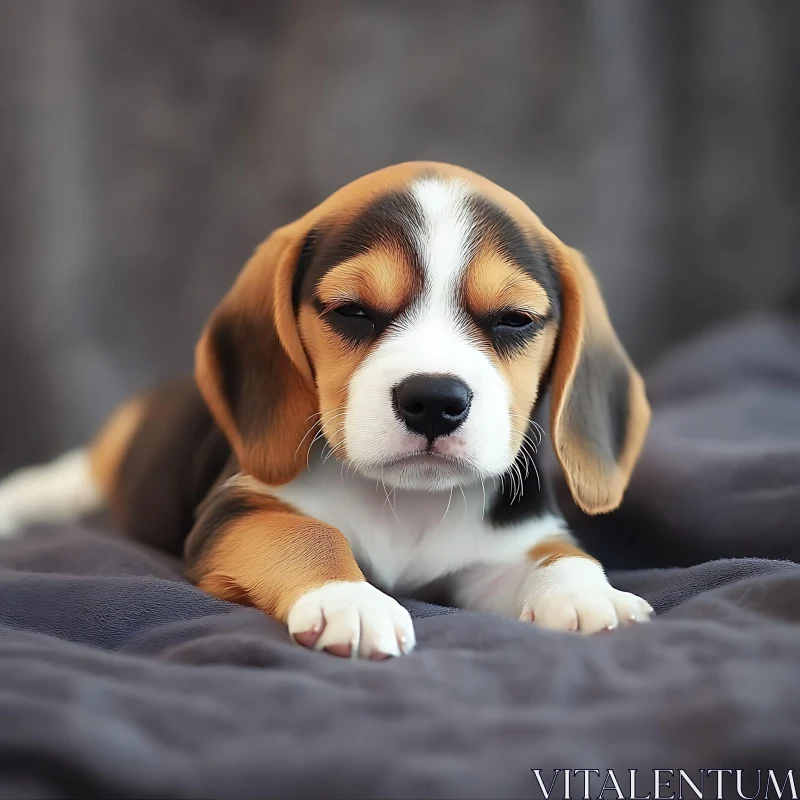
[[405, 540]]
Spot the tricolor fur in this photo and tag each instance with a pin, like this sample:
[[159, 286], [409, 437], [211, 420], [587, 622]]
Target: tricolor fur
[[364, 419]]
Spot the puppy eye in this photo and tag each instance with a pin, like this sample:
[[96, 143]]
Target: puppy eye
[[514, 319], [354, 323], [352, 310]]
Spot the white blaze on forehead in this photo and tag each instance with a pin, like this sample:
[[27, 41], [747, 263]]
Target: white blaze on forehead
[[445, 240]]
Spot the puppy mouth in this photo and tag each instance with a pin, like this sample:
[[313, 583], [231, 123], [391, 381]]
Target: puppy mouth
[[423, 454], [426, 457], [421, 469], [419, 457]]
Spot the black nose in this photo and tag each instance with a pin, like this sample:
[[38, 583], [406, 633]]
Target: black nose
[[433, 405]]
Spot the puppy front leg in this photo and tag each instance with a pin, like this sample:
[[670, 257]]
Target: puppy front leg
[[568, 590], [253, 549], [558, 586]]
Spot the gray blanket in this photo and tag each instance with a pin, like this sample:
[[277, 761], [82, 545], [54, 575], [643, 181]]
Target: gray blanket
[[118, 679]]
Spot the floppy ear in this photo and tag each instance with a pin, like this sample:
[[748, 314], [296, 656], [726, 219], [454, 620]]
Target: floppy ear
[[599, 412], [251, 368]]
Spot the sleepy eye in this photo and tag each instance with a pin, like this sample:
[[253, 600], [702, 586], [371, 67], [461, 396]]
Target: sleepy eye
[[352, 310], [513, 319], [354, 322], [511, 331]]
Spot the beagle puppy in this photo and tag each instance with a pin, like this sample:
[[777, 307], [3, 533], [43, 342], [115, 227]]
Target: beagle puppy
[[365, 419]]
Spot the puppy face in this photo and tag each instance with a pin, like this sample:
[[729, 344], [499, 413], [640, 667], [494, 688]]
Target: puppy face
[[412, 320], [429, 318]]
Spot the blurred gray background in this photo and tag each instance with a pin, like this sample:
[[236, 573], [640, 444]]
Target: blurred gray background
[[146, 146]]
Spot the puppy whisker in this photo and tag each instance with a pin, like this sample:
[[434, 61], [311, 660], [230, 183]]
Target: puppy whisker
[[387, 498], [304, 438], [321, 421], [463, 494], [449, 500]]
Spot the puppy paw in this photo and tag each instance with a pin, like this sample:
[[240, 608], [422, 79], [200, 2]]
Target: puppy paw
[[352, 620], [587, 610]]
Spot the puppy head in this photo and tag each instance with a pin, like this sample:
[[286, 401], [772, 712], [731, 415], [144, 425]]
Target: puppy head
[[412, 320]]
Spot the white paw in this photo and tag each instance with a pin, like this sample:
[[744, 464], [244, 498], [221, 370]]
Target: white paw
[[62, 490], [588, 610], [352, 620]]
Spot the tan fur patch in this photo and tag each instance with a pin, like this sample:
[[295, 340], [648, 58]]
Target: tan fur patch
[[523, 374], [381, 279], [335, 362], [551, 550], [272, 557], [492, 284], [111, 442]]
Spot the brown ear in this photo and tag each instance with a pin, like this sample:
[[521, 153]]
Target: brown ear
[[251, 369], [599, 412]]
